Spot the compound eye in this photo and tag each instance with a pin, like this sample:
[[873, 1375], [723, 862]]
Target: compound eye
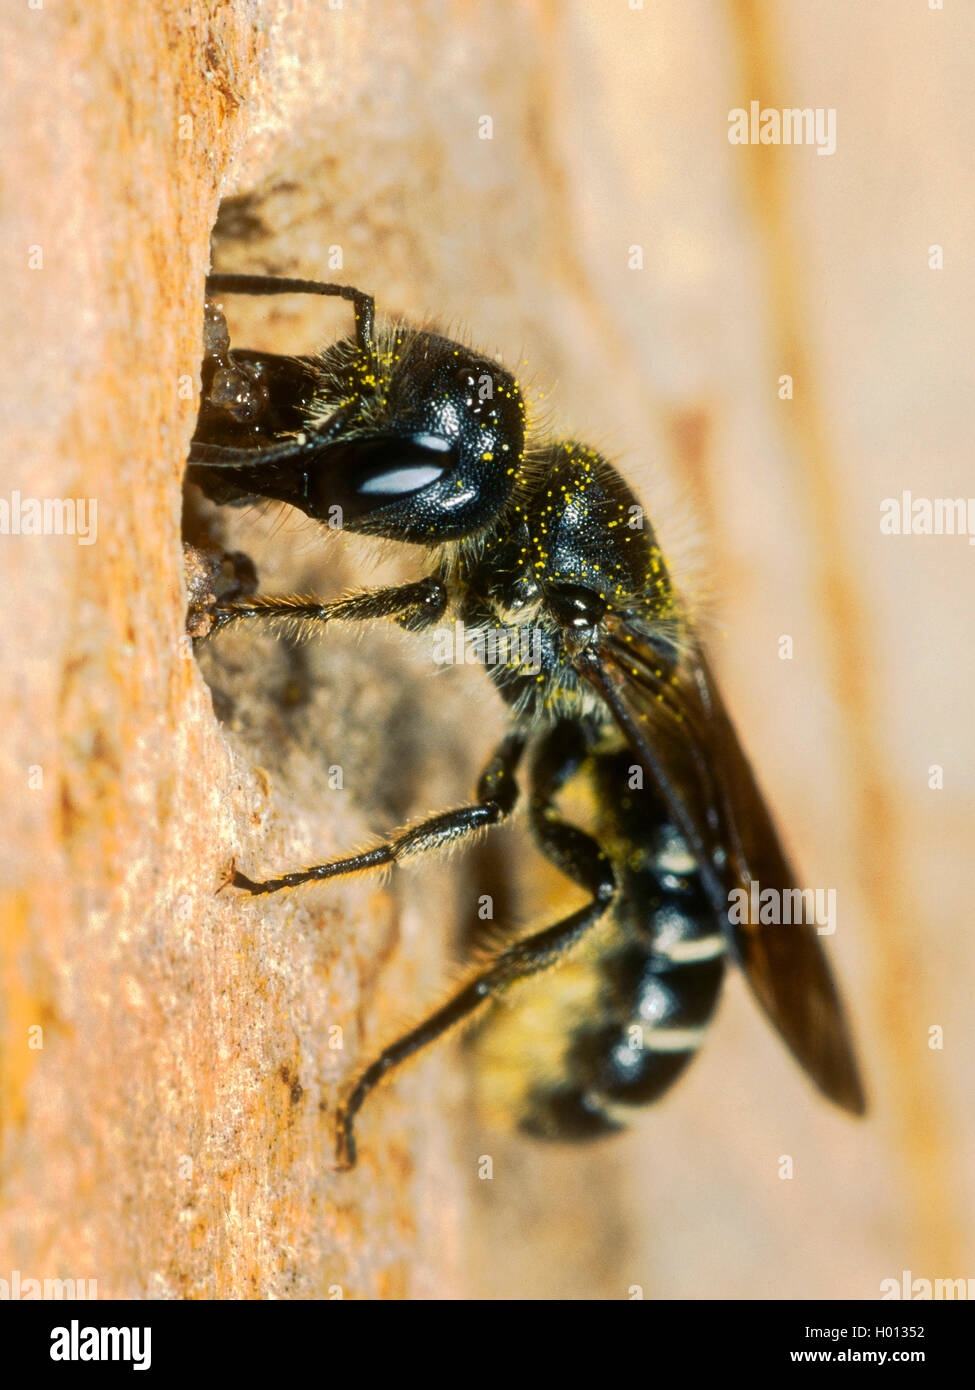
[[363, 475]]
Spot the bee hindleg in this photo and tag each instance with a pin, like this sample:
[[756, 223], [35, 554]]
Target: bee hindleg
[[573, 851], [497, 792]]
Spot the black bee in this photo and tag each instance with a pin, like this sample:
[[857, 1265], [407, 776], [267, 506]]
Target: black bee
[[403, 434]]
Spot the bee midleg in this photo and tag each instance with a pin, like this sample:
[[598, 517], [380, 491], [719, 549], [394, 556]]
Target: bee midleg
[[415, 606], [497, 793], [579, 856]]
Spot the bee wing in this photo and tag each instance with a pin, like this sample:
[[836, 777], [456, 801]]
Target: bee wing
[[681, 731]]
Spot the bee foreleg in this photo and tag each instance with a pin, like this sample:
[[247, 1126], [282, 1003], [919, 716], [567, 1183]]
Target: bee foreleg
[[363, 304], [415, 606]]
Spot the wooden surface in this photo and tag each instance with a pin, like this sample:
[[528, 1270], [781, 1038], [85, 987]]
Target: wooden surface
[[171, 1137]]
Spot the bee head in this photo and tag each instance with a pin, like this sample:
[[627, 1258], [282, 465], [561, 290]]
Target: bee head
[[434, 452], [421, 441]]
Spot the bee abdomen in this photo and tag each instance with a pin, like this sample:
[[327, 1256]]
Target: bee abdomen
[[661, 1016], [567, 1114], [658, 993], [635, 1061]]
